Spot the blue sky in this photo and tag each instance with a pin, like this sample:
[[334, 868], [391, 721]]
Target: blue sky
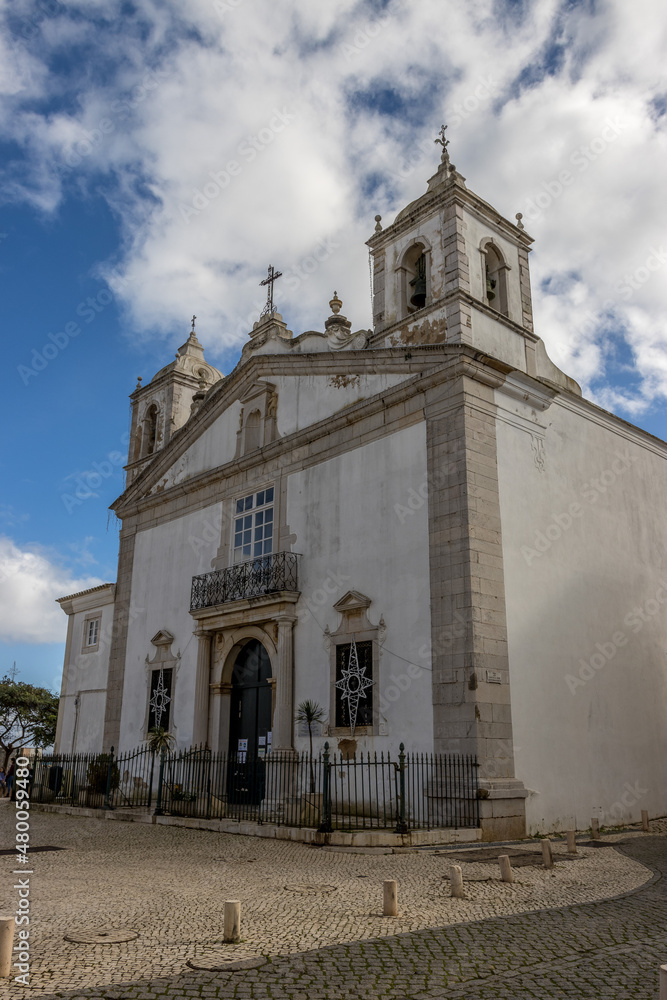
[[156, 158]]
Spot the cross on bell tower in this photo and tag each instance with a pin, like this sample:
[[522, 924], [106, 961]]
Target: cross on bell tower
[[272, 276]]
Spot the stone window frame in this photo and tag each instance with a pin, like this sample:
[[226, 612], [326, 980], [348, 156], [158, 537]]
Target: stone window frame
[[260, 398], [503, 277], [164, 659], [91, 617], [355, 626], [273, 506], [401, 272]]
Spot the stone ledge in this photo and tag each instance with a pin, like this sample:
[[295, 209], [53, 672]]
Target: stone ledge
[[336, 839]]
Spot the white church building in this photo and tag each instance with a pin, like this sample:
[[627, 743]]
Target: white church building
[[434, 490]]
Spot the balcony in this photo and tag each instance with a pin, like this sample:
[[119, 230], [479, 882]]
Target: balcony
[[255, 578]]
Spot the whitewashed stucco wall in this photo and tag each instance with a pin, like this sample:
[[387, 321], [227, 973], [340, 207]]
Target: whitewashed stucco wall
[[355, 530], [584, 544], [166, 558], [85, 677]]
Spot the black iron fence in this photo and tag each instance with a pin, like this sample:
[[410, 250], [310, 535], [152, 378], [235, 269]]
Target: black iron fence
[[255, 578], [97, 781], [329, 791]]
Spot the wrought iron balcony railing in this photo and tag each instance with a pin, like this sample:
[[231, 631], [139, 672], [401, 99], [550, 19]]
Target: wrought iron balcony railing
[[255, 578]]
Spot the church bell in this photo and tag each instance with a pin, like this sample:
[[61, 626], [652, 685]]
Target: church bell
[[418, 297]]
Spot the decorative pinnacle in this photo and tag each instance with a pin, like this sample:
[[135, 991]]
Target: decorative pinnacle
[[335, 304], [443, 141], [378, 220], [193, 323], [519, 223], [138, 385]]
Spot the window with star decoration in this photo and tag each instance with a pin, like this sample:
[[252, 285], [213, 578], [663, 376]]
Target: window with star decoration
[[355, 686], [159, 705]]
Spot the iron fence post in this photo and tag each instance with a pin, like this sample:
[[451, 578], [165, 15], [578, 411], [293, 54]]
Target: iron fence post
[[325, 826], [401, 826], [107, 803], [159, 811]]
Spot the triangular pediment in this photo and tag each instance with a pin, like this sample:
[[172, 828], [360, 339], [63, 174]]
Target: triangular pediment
[[352, 601], [162, 638]]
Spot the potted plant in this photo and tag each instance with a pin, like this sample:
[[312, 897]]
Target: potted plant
[[181, 801], [310, 713], [103, 777]]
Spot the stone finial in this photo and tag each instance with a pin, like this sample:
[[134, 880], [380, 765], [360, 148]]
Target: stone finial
[[138, 385], [519, 223], [193, 323], [378, 227], [335, 304], [443, 141]]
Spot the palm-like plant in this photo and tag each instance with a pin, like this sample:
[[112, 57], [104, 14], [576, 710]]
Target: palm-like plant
[[310, 713], [160, 739]]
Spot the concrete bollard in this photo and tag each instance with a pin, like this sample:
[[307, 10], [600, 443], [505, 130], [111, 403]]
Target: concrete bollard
[[571, 841], [645, 826], [389, 898], [7, 926], [547, 856], [505, 868], [663, 982], [456, 880], [595, 829], [232, 916]]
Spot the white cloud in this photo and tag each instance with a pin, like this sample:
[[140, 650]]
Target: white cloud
[[188, 91], [30, 582]]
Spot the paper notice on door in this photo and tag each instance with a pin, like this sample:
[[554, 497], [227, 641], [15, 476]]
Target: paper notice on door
[[242, 750], [261, 746]]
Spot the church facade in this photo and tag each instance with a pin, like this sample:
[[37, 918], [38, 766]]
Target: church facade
[[433, 494]]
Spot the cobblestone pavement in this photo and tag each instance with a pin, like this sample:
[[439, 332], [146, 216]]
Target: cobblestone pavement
[[316, 915]]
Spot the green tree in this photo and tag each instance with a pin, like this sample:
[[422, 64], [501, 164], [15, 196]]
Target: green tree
[[28, 716], [310, 713]]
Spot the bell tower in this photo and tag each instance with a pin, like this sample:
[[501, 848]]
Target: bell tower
[[160, 408], [451, 269]]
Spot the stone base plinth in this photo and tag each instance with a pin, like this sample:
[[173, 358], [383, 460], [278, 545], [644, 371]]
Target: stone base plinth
[[502, 809]]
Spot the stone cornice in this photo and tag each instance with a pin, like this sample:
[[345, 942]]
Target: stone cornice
[[603, 418], [456, 361], [442, 198], [240, 381]]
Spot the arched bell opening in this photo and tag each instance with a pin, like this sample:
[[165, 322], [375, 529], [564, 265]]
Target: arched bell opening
[[415, 278], [150, 429], [495, 278]]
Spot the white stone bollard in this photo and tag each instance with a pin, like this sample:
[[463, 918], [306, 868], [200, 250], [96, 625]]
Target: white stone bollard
[[595, 829], [645, 826], [232, 917], [390, 898], [456, 880], [505, 868], [7, 926], [547, 856], [571, 841], [663, 982]]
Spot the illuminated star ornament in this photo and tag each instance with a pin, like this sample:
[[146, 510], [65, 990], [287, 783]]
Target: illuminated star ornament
[[353, 684], [159, 700]]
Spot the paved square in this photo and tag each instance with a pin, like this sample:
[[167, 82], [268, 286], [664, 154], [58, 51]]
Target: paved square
[[316, 914]]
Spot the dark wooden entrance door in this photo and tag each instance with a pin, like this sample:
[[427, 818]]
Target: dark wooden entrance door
[[250, 723]]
